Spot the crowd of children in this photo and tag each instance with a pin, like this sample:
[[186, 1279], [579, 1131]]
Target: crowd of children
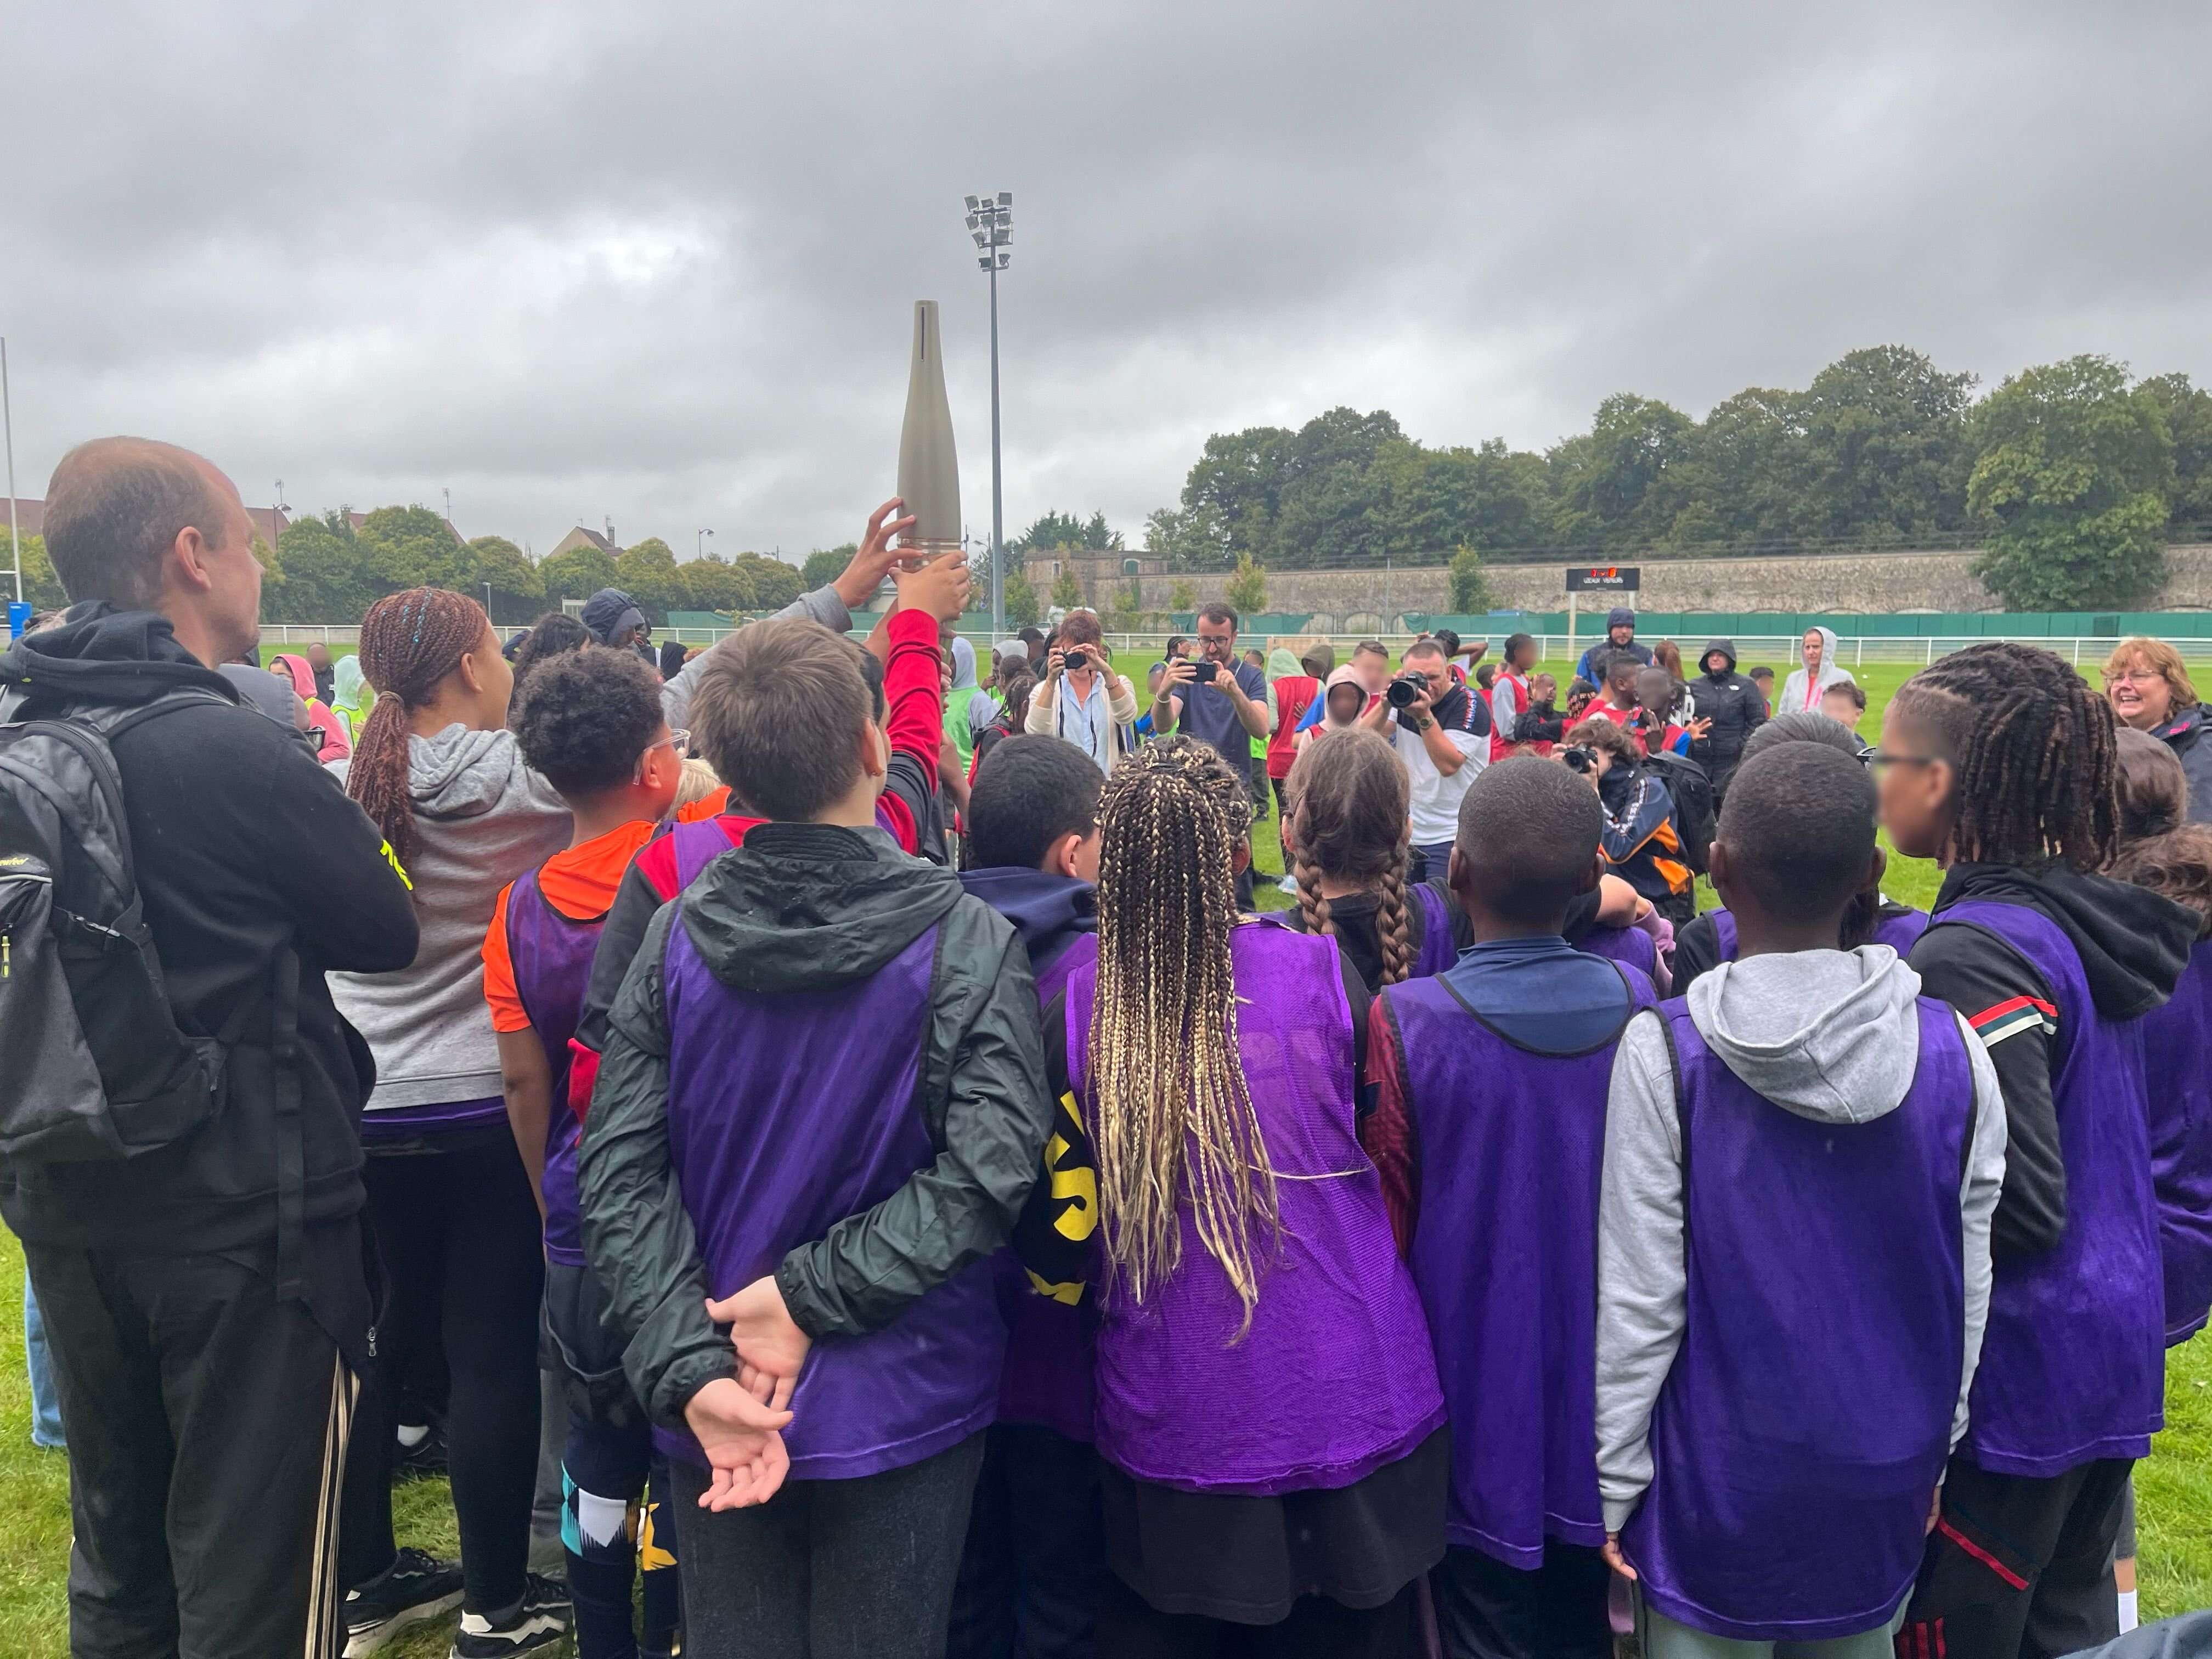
[[1049, 1257]]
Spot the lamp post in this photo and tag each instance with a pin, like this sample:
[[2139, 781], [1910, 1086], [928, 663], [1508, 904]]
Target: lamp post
[[991, 223], [699, 543], [487, 601], [8, 420]]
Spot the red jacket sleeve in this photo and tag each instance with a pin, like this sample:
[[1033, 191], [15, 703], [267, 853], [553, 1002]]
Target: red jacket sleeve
[[913, 690], [1386, 1135]]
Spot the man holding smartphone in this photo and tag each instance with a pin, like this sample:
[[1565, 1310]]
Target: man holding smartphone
[[1080, 699]]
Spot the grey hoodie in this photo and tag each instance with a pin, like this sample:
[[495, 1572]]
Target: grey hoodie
[[482, 819], [822, 606], [1831, 1036]]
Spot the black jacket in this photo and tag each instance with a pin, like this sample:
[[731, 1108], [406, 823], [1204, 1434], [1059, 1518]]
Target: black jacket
[[2133, 944], [800, 908], [243, 846], [1733, 704], [2185, 735]]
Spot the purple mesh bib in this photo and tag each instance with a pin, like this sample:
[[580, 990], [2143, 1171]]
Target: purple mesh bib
[[2074, 1363], [1505, 1255], [1335, 1378], [1437, 950], [2178, 1064], [1901, 934], [787, 1114], [1049, 1345], [1802, 1429], [1630, 947], [552, 959]]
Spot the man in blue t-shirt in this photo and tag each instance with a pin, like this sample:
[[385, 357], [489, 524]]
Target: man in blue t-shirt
[[1225, 711]]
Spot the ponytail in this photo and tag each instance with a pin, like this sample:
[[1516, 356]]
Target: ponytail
[[409, 642]]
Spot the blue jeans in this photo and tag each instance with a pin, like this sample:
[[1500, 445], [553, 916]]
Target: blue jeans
[[1430, 863], [45, 1404]]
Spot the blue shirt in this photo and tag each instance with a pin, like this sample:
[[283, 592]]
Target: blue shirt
[[1210, 717], [1542, 993]]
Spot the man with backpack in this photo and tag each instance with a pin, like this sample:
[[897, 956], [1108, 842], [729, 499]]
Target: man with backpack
[[178, 1142]]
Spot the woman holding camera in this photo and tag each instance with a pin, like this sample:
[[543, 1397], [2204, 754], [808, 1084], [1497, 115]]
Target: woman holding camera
[[1641, 843], [1080, 699]]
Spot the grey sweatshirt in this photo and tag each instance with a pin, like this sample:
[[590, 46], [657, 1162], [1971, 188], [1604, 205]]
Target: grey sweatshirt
[[823, 604], [482, 819], [1828, 1035]]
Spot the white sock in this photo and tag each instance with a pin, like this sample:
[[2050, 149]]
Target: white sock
[[412, 1435], [2127, 1611]]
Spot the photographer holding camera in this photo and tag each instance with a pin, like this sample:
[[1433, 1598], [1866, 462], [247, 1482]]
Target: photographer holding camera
[[1442, 734], [1080, 699]]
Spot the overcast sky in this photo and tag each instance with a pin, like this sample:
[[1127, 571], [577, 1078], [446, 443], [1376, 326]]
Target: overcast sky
[[656, 263]]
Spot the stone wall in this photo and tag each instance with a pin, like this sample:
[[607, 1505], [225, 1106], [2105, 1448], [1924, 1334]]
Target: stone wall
[[1869, 583]]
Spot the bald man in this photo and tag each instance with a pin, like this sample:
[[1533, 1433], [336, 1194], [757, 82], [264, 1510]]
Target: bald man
[[204, 1299]]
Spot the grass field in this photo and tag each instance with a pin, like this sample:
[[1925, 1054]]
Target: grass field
[[2174, 1486]]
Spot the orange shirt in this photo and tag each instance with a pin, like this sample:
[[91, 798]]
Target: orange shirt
[[580, 884]]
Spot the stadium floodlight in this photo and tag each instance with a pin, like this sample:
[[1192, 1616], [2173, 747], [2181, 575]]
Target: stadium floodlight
[[990, 221]]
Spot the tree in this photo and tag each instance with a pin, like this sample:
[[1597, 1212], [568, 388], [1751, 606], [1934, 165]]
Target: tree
[[1066, 591], [711, 582], [1021, 598], [1470, 590], [1885, 444], [517, 589], [646, 572], [1057, 529], [825, 564], [578, 573], [2072, 469], [403, 547], [1247, 586], [42, 588], [2188, 411], [775, 584], [327, 577], [1183, 597]]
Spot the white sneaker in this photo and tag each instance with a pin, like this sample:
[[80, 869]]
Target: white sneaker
[[1287, 884]]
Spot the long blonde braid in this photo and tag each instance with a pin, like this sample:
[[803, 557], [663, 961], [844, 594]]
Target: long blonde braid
[[1172, 1118]]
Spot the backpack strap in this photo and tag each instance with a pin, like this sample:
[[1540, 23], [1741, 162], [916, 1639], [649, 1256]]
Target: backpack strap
[[291, 1149]]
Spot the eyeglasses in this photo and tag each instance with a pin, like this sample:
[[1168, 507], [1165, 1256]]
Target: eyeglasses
[[2134, 676], [677, 742]]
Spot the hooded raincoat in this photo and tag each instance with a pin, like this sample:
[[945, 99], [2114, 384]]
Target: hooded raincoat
[[1804, 687]]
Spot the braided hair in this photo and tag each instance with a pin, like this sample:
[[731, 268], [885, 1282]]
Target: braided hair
[[1346, 796], [1172, 1117], [2033, 752], [409, 642]]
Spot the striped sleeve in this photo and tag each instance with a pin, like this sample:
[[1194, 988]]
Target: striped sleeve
[[2013, 1016]]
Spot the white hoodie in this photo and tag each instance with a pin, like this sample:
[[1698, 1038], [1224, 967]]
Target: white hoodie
[[1797, 693], [1832, 1035]]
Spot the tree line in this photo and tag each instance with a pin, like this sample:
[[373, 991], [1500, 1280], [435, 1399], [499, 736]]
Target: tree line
[[2070, 477]]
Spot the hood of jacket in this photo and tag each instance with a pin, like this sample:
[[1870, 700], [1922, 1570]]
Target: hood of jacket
[[1619, 616], [1281, 665], [1727, 649], [1831, 1036], [296, 669], [2133, 943], [1831, 670], [460, 774], [1049, 912], [808, 907], [610, 612], [2182, 726], [98, 654]]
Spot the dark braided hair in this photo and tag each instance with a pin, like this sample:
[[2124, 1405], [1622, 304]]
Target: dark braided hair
[[1346, 796], [550, 635], [2033, 752], [409, 642]]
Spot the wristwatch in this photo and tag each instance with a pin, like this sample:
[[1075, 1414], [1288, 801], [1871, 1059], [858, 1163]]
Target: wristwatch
[[1427, 720]]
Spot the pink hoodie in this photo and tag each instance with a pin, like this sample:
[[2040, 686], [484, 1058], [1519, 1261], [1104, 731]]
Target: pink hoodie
[[338, 741]]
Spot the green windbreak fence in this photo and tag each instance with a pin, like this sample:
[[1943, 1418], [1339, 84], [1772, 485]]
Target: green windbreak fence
[[1685, 625]]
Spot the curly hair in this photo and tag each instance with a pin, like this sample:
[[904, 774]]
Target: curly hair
[[1603, 734], [2033, 749], [1172, 1116], [409, 642], [586, 716], [1346, 797], [548, 636]]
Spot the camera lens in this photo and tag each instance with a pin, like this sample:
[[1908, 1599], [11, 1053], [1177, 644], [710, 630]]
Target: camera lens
[[1077, 661], [1402, 691]]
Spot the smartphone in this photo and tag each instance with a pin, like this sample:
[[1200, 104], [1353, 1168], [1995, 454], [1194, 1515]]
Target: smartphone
[[1203, 672]]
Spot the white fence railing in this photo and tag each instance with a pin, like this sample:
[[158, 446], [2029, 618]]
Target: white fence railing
[[1777, 650]]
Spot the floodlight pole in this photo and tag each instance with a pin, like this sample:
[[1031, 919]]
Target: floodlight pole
[[990, 221], [8, 419]]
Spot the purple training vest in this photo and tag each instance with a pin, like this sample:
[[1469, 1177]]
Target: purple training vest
[[1182, 1403], [699, 843], [787, 1114], [1048, 1378], [1438, 951], [2074, 1365], [1901, 934], [1632, 947], [552, 958], [1505, 1255], [2178, 1073], [1806, 1418]]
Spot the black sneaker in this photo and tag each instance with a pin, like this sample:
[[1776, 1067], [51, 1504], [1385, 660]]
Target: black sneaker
[[541, 1621], [423, 1460], [414, 1587]]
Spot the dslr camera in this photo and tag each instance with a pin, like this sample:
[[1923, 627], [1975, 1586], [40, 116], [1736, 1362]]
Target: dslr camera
[[1401, 692], [1579, 757], [1075, 659]]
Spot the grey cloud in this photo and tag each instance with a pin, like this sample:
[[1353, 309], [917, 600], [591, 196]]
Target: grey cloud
[[655, 262]]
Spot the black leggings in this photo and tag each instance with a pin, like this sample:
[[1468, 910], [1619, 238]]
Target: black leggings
[[457, 1233], [1130, 1627]]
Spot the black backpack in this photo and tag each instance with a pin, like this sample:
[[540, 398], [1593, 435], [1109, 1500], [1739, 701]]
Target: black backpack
[[1695, 818], [96, 1067]]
